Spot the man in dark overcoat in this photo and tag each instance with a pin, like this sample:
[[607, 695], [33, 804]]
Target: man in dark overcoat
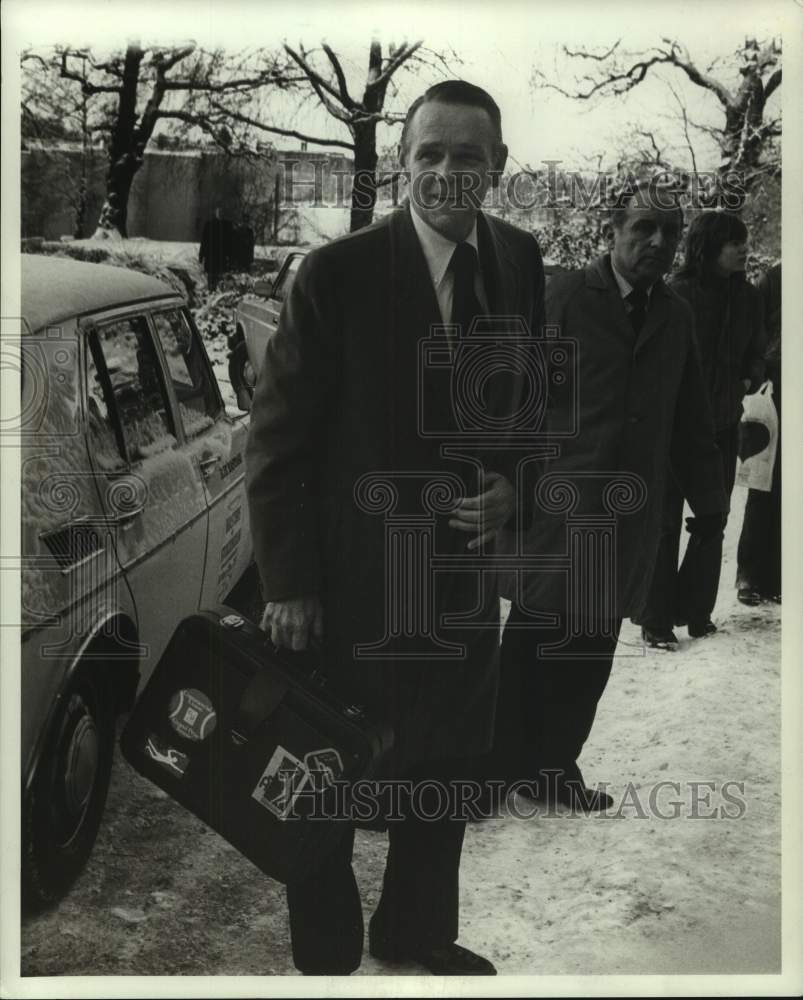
[[345, 455], [215, 251], [639, 400]]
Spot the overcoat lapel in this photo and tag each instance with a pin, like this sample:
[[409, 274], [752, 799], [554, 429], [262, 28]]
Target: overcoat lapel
[[413, 316], [499, 269], [415, 300], [600, 277], [657, 316]]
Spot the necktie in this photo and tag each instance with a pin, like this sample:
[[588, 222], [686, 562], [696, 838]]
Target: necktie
[[638, 301], [465, 306]]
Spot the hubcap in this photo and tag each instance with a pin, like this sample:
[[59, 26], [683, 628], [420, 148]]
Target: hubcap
[[80, 767]]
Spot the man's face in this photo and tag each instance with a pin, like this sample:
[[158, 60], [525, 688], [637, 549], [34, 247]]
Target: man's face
[[643, 247], [450, 154]]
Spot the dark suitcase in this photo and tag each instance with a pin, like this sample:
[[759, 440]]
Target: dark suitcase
[[252, 741]]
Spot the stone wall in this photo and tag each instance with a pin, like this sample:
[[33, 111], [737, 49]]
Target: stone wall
[[174, 193]]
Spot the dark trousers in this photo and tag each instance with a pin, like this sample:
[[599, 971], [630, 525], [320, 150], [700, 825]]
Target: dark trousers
[[547, 701], [759, 553], [688, 594], [418, 907]]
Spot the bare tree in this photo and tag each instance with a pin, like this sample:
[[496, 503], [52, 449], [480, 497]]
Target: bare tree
[[54, 110], [747, 133], [144, 86], [325, 80]]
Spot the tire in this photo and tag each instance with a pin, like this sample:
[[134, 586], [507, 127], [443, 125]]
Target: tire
[[241, 374], [62, 813]]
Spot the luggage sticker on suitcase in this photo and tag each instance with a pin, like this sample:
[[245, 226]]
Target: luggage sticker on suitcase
[[286, 777]]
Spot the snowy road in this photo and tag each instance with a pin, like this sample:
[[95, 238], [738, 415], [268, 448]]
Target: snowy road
[[625, 893]]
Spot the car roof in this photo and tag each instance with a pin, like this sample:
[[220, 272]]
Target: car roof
[[58, 288]]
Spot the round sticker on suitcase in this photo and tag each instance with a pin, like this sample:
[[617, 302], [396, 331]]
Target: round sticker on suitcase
[[192, 714]]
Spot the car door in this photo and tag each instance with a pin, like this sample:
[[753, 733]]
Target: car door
[[282, 285], [260, 317], [148, 474], [217, 444]]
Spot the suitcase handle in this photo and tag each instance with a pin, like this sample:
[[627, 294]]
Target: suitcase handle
[[300, 661]]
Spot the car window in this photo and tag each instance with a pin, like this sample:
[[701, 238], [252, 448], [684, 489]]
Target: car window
[[106, 447], [198, 402], [283, 287], [126, 360]]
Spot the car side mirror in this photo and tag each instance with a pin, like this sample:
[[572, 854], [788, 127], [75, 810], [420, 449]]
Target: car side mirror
[[263, 287]]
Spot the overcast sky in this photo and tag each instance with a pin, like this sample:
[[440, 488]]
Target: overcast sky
[[500, 45]]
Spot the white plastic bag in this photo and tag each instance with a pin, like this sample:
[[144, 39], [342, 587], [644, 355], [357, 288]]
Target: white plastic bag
[[758, 440]]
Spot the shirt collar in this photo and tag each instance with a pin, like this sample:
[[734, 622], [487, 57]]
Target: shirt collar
[[625, 288], [438, 249]]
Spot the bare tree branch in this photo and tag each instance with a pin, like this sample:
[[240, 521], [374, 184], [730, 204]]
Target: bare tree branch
[[318, 82], [86, 86], [658, 156], [29, 56], [772, 84], [275, 130], [680, 58], [388, 117], [345, 97], [113, 66], [685, 118], [321, 88], [395, 62], [163, 63], [744, 138], [619, 82], [583, 54], [273, 78], [445, 63]]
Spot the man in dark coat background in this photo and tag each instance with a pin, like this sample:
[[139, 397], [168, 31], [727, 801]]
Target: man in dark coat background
[[640, 398], [216, 247], [345, 445]]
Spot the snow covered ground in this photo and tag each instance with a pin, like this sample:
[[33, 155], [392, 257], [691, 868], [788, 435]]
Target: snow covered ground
[[629, 893]]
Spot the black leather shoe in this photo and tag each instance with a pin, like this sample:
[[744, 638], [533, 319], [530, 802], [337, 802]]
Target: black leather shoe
[[488, 805], [446, 960], [587, 800], [700, 630], [573, 795], [748, 596], [659, 639]]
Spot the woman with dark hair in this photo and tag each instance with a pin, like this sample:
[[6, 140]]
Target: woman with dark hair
[[728, 320]]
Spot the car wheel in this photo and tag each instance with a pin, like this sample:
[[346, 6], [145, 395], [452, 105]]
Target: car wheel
[[241, 374], [62, 813]]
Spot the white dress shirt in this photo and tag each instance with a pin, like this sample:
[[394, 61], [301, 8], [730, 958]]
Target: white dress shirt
[[438, 252]]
